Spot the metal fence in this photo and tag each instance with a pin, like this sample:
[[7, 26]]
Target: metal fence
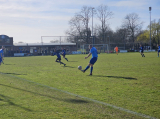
[[82, 40]]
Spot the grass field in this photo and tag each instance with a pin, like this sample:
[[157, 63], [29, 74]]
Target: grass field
[[39, 88]]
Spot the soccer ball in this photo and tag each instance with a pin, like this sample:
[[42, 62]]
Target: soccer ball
[[79, 67]]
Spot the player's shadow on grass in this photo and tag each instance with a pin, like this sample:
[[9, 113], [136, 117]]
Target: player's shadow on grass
[[76, 101], [9, 64], [129, 78], [8, 101], [69, 66], [72, 61], [14, 74]]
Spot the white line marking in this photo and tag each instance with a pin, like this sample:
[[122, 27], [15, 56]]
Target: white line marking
[[96, 101]]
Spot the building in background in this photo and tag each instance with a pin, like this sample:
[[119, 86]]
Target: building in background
[[32, 48]]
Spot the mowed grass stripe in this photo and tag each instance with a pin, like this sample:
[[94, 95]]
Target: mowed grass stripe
[[119, 108], [23, 99]]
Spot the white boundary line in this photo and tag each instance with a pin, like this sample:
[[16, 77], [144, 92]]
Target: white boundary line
[[96, 101]]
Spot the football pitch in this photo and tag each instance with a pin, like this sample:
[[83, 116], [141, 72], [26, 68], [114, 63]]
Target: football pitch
[[123, 86]]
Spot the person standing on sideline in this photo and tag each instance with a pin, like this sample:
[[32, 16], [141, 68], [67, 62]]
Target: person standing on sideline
[[158, 50], [64, 53], [1, 55], [141, 50], [116, 49], [94, 58]]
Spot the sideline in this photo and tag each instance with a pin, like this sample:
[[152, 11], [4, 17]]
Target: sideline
[[96, 101]]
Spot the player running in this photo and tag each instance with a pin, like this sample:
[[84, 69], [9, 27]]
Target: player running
[[116, 49], [141, 50], [58, 57], [158, 50], [1, 55], [94, 58], [64, 53]]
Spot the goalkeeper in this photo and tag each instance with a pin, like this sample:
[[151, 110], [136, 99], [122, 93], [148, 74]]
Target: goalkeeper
[[116, 49]]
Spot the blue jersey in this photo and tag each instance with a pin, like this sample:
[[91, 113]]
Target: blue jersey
[[93, 50], [1, 52], [57, 54], [64, 51], [158, 47], [141, 48]]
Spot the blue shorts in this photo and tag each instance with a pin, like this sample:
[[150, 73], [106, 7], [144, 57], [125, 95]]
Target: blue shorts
[[93, 60], [141, 51], [58, 58], [158, 50]]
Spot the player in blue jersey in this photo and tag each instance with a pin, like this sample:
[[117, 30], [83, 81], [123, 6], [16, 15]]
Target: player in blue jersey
[[158, 50], [56, 52], [64, 53], [93, 60], [1, 55], [141, 50]]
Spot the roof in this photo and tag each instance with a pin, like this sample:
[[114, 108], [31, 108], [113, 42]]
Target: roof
[[41, 44]]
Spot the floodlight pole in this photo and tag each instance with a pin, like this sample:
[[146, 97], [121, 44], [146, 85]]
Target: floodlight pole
[[60, 42], [109, 42], [41, 42], [150, 26], [92, 27]]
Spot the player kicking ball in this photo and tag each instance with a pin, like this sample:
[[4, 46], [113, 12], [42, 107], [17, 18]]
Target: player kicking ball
[[93, 60], [58, 57]]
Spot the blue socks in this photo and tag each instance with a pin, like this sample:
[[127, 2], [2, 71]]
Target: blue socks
[[91, 70], [66, 59], [86, 68]]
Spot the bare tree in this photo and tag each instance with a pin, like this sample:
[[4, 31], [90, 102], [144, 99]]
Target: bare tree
[[104, 14], [75, 27], [120, 35], [133, 25], [84, 16], [79, 25]]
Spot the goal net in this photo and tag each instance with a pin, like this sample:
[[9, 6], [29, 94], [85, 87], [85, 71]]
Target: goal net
[[101, 48]]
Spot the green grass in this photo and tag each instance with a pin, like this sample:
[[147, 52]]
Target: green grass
[[125, 80]]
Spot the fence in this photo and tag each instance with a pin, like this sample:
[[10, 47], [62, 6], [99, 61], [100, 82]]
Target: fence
[[82, 40], [101, 48], [73, 43]]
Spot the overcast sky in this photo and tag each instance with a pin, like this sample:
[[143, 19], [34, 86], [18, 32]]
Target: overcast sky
[[28, 20]]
